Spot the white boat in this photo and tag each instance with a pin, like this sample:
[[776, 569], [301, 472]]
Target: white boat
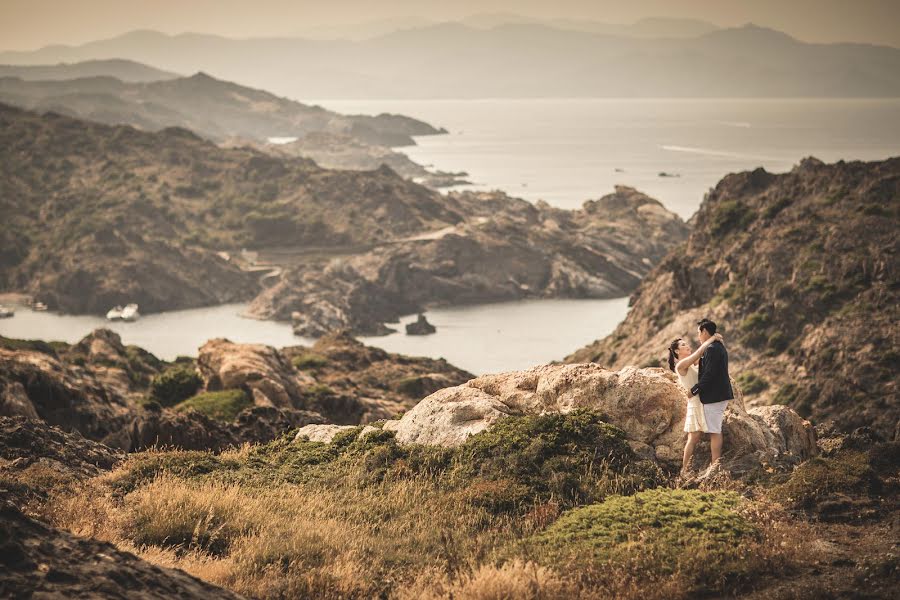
[[114, 314], [130, 312], [39, 306], [6, 312]]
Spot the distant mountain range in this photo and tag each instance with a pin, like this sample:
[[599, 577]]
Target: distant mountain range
[[125, 70], [455, 60]]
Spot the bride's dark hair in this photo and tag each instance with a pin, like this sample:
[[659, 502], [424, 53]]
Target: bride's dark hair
[[673, 353]]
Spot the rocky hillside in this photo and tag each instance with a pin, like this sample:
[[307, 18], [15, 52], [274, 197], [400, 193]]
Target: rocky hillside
[[801, 271], [230, 394], [99, 215], [506, 249], [213, 108]]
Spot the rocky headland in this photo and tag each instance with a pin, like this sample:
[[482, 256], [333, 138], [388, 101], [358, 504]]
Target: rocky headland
[[505, 249], [800, 271]]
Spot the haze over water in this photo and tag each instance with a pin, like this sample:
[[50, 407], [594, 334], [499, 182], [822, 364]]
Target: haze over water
[[566, 151]]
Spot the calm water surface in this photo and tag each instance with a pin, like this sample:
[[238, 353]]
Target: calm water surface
[[480, 339], [566, 151]]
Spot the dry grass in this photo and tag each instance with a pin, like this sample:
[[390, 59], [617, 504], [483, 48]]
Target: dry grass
[[280, 521]]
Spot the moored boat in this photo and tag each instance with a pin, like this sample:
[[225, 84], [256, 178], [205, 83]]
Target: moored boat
[[6, 312], [130, 312], [114, 314]]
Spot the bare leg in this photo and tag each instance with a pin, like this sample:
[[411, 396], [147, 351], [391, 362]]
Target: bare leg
[[715, 445], [693, 438]]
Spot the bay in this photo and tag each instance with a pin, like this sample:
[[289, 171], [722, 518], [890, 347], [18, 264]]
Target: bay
[[565, 151]]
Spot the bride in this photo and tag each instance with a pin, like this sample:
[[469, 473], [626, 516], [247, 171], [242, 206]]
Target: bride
[[684, 363]]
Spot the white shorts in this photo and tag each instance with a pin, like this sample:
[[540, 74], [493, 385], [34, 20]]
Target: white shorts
[[714, 413]]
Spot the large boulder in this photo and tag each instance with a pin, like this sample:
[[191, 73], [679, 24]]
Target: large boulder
[[261, 370], [648, 404]]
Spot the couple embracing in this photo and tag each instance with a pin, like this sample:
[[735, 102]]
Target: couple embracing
[[704, 374]]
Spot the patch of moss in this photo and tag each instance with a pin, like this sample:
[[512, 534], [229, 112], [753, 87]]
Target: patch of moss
[[751, 383], [309, 361], [174, 385], [221, 406], [671, 520]]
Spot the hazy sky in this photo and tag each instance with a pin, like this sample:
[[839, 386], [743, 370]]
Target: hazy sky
[[29, 24]]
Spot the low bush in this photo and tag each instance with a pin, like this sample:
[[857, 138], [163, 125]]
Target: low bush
[[174, 385], [751, 383], [221, 406]]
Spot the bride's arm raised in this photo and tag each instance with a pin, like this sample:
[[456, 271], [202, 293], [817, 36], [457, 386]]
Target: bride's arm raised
[[682, 365]]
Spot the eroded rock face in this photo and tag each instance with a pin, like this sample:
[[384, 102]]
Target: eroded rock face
[[648, 404], [261, 370]]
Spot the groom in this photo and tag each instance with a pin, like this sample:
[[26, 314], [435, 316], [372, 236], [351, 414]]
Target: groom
[[713, 386]]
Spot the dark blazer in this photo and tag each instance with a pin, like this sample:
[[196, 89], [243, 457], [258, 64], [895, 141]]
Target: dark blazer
[[714, 384]]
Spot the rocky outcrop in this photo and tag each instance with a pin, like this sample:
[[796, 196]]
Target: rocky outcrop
[[38, 383], [648, 404], [800, 271], [40, 561], [101, 388], [261, 370], [420, 326], [506, 249], [358, 384]]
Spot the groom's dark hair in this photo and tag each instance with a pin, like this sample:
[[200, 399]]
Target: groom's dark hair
[[707, 325]]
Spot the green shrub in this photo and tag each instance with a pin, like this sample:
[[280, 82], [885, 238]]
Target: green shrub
[[730, 215], [776, 207], [777, 342], [698, 537], [751, 383], [174, 385], [412, 386], [786, 394], [309, 361], [34, 345], [753, 328], [221, 406]]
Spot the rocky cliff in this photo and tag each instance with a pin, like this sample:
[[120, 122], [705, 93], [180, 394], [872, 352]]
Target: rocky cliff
[[800, 270]]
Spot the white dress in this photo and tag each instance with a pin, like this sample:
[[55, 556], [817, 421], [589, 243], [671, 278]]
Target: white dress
[[694, 419]]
